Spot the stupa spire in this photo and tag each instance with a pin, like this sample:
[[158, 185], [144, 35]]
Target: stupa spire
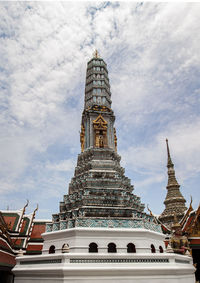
[[174, 201], [100, 195], [171, 172], [169, 161]]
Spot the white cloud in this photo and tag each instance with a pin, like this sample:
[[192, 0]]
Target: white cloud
[[64, 165]]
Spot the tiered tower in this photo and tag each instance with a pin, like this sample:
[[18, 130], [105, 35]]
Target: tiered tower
[[99, 193], [102, 234], [174, 201]]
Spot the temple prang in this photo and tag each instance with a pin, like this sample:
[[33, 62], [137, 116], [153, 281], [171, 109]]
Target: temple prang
[[99, 194]]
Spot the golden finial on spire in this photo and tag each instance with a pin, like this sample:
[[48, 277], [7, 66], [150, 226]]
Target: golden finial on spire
[[96, 54]]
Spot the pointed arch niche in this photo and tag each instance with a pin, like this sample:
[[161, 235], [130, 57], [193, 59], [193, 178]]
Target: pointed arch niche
[[100, 132]]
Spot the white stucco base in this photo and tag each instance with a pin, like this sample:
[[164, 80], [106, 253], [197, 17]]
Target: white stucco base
[[80, 266], [79, 239]]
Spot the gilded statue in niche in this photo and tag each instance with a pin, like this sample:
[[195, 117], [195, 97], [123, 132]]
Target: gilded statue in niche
[[82, 138], [100, 132], [101, 143]]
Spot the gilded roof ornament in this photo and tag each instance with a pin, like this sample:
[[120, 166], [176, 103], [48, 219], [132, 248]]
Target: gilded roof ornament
[[149, 210], [190, 206]]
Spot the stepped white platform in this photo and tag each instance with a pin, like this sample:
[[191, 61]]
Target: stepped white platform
[[80, 266]]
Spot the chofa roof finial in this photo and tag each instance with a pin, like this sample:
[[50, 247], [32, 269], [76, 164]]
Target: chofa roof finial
[[149, 210]]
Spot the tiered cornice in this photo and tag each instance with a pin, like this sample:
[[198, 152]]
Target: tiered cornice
[[97, 88]]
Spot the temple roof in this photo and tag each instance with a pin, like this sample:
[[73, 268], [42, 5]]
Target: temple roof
[[21, 230]]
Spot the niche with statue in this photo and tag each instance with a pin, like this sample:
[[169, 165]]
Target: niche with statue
[[100, 132]]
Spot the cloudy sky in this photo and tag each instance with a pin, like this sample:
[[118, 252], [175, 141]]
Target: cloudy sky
[[153, 58]]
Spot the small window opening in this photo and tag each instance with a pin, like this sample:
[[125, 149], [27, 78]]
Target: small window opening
[[161, 249], [131, 248], [112, 248], [52, 250], [153, 250], [93, 248]]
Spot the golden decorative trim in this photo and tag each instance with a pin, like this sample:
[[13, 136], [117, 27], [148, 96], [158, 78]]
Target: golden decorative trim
[[100, 123], [82, 138]]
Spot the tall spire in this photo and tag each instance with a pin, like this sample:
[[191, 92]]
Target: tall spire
[[174, 201], [171, 172], [169, 161]]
